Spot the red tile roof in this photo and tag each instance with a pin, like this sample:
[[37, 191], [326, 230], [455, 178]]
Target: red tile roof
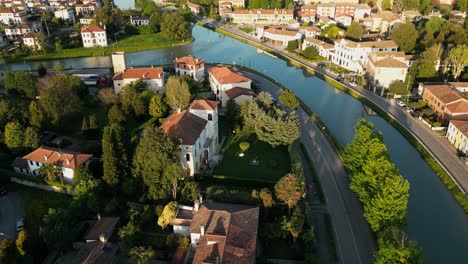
[[64, 158], [225, 75], [184, 126], [92, 28], [443, 92], [238, 91], [462, 126], [204, 105], [389, 63], [459, 107], [189, 60], [137, 73]]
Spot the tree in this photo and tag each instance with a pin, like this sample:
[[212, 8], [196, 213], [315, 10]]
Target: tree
[[332, 31], [58, 67], [405, 36], [168, 214], [232, 110], [84, 125], [458, 58], [278, 131], [266, 197], [355, 31], [114, 155], [77, 86], [264, 99], [394, 247], [116, 115], [295, 224], [58, 45], [36, 115], [425, 66], [173, 26], [80, 174], [397, 87], [130, 100], [177, 93], [93, 122], [288, 190], [7, 252], [310, 53], [41, 70], [157, 108], [292, 45], [156, 152], [190, 191], [410, 4], [59, 100], [461, 6], [107, 96], [44, 42], [175, 173], [154, 23], [31, 138], [50, 172], [288, 99], [14, 135], [127, 233], [21, 242], [56, 223], [21, 82], [142, 255], [386, 5], [85, 195]]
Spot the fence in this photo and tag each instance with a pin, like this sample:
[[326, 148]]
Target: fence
[[42, 186]]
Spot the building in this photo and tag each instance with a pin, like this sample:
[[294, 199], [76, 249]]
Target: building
[[30, 40], [353, 10], [13, 16], [344, 20], [192, 66], [262, 16], [278, 35], [447, 103], [353, 55], [460, 86], [240, 95], [324, 49], [196, 9], [139, 21], [220, 232], [14, 31], [308, 13], [85, 9], [383, 22], [223, 79], [326, 10], [86, 20], [385, 67], [65, 14], [66, 160], [457, 134], [310, 31], [93, 36], [457, 17], [197, 132]]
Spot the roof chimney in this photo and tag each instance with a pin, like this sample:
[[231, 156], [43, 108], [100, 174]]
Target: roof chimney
[[197, 205], [102, 238], [68, 161], [202, 230], [99, 217], [45, 157], [201, 199]]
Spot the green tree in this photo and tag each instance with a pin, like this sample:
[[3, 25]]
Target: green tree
[[232, 110], [58, 45], [157, 108], [80, 174], [177, 93], [397, 87], [154, 23], [36, 115], [355, 31], [461, 5], [292, 45], [44, 43], [85, 195], [41, 70], [58, 67], [32, 138], [405, 36], [59, 100], [264, 99], [458, 59], [386, 5], [168, 214], [425, 66], [288, 99], [14, 135], [114, 155], [289, 190], [130, 99], [116, 115], [425, 6], [310, 52], [21, 82], [332, 31], [7, 252], [295, 224], [107, 96], [173, 26], [410, 4], [56, 223], [77, 86], [155, 153], [128, 232], [394, 247], [142, 255], [21, 242], [50, 172], [93, 122], [189, 192], [278, 131]]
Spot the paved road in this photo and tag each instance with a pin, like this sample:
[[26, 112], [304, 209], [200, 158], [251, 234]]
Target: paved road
[[354, 239], [11, 209], [446, 157]]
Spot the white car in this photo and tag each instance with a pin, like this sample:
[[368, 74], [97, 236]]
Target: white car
[[353, 84], [400, 103], [19, 224]]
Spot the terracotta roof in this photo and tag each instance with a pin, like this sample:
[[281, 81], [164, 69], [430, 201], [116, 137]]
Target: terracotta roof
[[399, 54], [92, 28], [368, 44], [459, 84], [389, 63], [230, 233], [204, 104], [179, 256], [6, 11], [443, 92], [238, 91], [137, 73], [184, 126], [225, 75], [192, 5], [189, 60], [311, 28], [85, 5], [105, 226], [30, 35], [96, 253], [459, 107], [462, 126], [281, 31], [320, 43], [264, 11], [67, 159]]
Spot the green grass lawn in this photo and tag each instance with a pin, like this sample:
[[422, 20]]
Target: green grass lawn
[[128, 44], [273, 162]]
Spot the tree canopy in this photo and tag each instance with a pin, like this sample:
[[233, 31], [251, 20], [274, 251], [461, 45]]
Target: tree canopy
[[288, 99], [21, 82], [174, 26], [157, 108], [168, 214], [177, 93], [405, 36], [397, 87], [458, 58], [310, 52], [114, 155], [354, 31], [58, 100], [289, 190]]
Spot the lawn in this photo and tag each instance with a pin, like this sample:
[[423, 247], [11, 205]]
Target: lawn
[[273, 163], [128, 44]]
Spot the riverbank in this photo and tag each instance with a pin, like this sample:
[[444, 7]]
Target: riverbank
[[435, 165], [130, 44]]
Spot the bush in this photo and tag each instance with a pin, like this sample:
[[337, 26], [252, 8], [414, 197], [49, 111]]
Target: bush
[[292, 45], [436, 124], [244, 146], [310, 53], [222, 194]]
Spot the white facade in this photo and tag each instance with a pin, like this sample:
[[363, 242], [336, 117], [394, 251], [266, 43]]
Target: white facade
[[86, 20], [93, 36], [344, 20], [34, 167], [262, 17], [324, 49], [383, 68], [156, 85], [219, 88], [277, 35], [65, 14], [31, 41], [458, 138], [139, 21], [8, 17], [191, 66]]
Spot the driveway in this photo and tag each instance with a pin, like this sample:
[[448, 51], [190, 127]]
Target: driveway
[[11, 209]]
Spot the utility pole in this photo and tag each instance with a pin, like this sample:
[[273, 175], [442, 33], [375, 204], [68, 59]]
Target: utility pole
[[47, 27]]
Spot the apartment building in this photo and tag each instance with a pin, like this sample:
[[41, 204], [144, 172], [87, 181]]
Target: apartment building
[[262, 16], [447, 103], [383, 68], [93, 36]]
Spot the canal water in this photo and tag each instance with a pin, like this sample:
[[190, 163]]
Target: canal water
[[435, 219]]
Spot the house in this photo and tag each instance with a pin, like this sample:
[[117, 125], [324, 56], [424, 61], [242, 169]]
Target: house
[[87, 9], [196, 9], [86, 20], [383, 22], [65, 14], [66, 160], [460, 86], [225, 10], [139, 21], [385, 67], [13, 16], [324, 49], [223, 79], [97, 249], [192, 66], [353, 55], [344, 20], [197, 132], [30, 40], [457, 134], [310, 31], [262, 16], [278, 35], [93, 36], [457, 17], [410, 15], [447, 103], [14, 31], [308, 13], [326, 10], [240, 95]]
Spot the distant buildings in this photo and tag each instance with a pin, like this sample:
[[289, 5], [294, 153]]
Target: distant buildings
[[86, 20], [93, 36], [196, 9], [383, 68], [262, 16], [457, 134], [446, 101], [222, 79], [65, 14], [277, 35], [192, 66], [13, 16], [330, 1], [139, 21], [14, 31], [83, 9], [30, 40]]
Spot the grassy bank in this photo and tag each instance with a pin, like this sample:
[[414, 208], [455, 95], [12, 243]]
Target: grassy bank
[[129, 44]]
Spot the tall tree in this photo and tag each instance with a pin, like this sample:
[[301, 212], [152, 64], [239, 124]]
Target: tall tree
[[7, 252], [190, 191], [85, 197], [280, 130], [81, 173], [397, 87], [458, 58], [289, 190], [461, 6], [295, 223], [142, 255], [21, 82], [405, 36], [14, 135], [288, 99], [425, 65], [168, 214], [116, 115], [154, 23], [394, 247], [157, 108], [173, 26], [36, 115], [31, 138], [156, 152], [177, 93], [354, 31], [56, 223], [59, 100], [310, 52], [114, 155]]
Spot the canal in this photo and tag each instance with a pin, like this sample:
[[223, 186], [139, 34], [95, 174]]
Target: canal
[[435, 219]]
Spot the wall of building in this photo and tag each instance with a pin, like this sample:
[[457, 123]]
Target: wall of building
[[458, 139]]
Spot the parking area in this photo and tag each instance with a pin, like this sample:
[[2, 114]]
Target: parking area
[[11, 209]]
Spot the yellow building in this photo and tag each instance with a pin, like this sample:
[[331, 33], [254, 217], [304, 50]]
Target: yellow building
[[457, 134], [262, 16]]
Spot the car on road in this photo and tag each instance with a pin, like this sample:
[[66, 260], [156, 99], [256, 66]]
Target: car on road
[[353, 84], [19, 224], [414, 114], [400, 103], [3, 191]]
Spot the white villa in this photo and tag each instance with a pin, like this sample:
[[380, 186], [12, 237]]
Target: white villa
[[68, 161], [197, 132], [457, 134], [223, 79], [12, 16], [324, 49], [192, 66], [93, 36], [30, 40], [278, 35], [65, 14], [385, 67]]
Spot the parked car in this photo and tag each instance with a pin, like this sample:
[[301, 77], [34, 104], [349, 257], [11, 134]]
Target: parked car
[[19, 224], [3, 191], [400, 103], [353, 84]]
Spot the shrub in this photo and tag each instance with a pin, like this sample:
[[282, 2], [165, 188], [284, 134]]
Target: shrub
[[436, 124], [244, 146]]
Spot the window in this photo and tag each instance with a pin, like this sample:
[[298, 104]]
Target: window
[[34, 173], [187, 157], [210, 117], [37, 163]]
